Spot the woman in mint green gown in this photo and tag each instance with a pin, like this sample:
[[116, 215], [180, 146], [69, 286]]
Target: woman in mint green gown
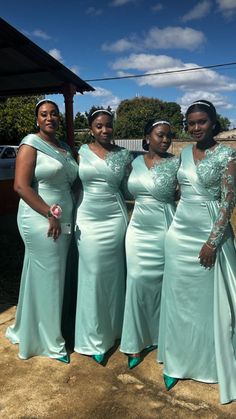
[[153, 183], [45, 172], [101, 223], [197, 338]]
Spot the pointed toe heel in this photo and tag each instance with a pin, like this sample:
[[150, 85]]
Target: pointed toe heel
[[133, 361], [65, 359], [150, 348], [98, 358], [170, 382]]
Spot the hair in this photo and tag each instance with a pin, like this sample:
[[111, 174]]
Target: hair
[[207, 107], [42, 102], [150, 125], [93, 115]]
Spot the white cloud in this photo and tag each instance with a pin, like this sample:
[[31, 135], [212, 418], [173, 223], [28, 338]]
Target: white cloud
[[56, 53], [217, 99], [119, 46], [41, 34], [104, 97], [186, 80], [92, 11], [227, 7], [157, 8], [117, 3], [169, 37], [199, 11], [174, 37], [147, 62], [74, 69]]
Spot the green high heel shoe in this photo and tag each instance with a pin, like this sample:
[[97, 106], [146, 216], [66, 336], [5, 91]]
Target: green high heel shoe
[[170, 382], [150, 348], [98, 358], [65, 359], [133, 361]]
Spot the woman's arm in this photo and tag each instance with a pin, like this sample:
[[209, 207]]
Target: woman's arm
[[25, 166], [227, 204]]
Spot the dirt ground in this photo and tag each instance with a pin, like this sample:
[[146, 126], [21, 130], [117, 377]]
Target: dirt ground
[[45, 388]]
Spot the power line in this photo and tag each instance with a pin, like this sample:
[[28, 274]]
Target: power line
[[163, 72]]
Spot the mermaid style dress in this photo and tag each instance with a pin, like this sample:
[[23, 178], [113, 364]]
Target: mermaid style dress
[[197, 338], [100, 232], [154, 193], [37, 329]]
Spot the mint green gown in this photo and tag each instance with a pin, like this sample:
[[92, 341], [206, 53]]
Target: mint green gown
[[197, 337], [154, 193], [37, 329], [100, 234]]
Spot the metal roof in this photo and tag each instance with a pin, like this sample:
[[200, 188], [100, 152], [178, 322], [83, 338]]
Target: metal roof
[[27, 69]]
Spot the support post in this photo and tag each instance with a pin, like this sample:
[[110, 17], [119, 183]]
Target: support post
[[69, 90]]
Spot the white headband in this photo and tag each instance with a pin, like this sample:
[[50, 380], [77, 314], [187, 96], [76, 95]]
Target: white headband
[[101, 110], [198, 102], [160, 122], [44, 100]]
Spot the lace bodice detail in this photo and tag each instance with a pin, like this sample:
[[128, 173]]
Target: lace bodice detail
[[164, 175], [118, 162], [217, 172]]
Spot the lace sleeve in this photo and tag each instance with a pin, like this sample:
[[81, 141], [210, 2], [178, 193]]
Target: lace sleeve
[[227, 204], [124, 184]]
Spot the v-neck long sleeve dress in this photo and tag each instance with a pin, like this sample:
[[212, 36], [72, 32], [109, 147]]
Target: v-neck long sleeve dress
[[154, 193], [100, 233], [197, 338], [37, 329]]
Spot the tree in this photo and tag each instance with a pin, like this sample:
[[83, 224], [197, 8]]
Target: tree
[[17, 119], [80, 121], [132, 115], [224, 123]]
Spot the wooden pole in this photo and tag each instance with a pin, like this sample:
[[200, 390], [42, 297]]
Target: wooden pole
[[69, 90]]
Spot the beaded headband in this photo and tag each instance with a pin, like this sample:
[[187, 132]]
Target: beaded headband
[[101, 110], [199, 102], [160, 122]]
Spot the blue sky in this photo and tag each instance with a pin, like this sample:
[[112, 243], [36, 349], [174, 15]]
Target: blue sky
[[98, 39]]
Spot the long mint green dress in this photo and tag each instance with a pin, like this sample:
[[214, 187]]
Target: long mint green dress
[[197, 337], [154, 193], [100, 233], [37, 329]]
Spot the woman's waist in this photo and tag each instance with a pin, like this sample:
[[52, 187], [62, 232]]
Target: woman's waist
[[27, 212], [51, 189], [96, 194], [151, 200], [196, 198]]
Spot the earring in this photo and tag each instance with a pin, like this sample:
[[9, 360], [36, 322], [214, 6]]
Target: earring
[[145, 144]]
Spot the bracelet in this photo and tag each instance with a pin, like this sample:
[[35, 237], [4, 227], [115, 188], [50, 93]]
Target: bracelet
[[54, 211], [210, 246]]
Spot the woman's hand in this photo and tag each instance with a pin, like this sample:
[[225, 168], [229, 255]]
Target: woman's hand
[[54, 229], [207, 255]]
